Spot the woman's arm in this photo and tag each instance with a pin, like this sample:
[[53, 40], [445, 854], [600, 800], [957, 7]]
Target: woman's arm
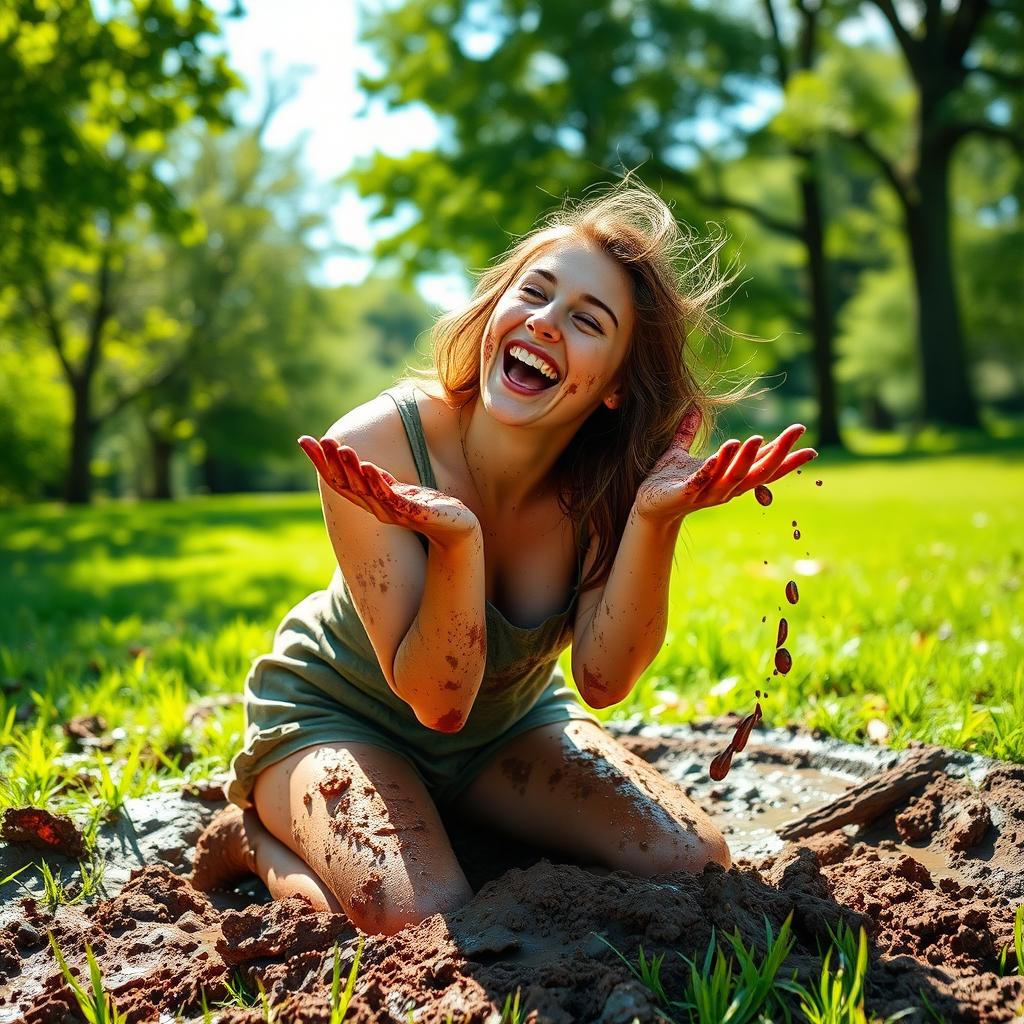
[[423, 613], [620, 628], [439, 665]]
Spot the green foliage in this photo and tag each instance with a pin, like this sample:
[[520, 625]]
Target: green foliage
[[340, 998], [511, 1012], [1018, 943], [737, 988], [94, 1005], [87, 104], [575, 102], [723, 988]]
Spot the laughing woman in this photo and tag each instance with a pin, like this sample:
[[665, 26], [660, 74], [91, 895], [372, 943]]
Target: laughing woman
[[525, 495]]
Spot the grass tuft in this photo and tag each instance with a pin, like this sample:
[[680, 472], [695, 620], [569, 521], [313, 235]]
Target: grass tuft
[[340, 998], [95, 1005]]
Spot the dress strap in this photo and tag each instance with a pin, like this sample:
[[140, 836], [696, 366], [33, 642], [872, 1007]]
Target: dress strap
[[404, 398]]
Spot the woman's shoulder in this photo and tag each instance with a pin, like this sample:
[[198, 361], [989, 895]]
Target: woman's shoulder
[[376, 431]]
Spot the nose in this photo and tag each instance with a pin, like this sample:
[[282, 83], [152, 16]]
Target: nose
[[543, 326]]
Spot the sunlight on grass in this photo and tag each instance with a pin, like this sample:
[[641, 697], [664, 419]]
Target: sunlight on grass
[[909, 621]]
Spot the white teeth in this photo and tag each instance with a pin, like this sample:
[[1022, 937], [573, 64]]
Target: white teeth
[[524, 356]]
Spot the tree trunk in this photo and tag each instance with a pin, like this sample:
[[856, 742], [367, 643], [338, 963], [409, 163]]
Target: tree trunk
[[948, 397], [78, 481], [161, 450], [823, 330]]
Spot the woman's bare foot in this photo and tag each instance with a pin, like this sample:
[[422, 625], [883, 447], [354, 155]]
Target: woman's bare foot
[[225, 851]]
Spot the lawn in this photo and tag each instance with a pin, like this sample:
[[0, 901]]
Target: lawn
[[909, 623]]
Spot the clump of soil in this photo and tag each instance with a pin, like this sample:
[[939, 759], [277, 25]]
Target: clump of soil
[[937, 915], [54, 833]]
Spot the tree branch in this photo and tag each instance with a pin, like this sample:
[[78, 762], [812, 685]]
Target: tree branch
[[953, 133], [888, 169], [719, 199], [781, 58], [963, 27], [1007, 78], [908, 44], [53, 326], [100, 313]]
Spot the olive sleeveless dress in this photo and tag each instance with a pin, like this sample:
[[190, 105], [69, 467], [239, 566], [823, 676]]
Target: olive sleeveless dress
[[322, 682]]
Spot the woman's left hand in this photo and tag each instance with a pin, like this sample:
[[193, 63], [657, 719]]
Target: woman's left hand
[[679, 483]]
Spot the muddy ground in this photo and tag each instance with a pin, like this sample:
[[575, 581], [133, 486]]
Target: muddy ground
[[934, 879]]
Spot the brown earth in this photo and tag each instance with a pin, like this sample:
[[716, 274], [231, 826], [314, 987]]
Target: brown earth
[[934, 881]]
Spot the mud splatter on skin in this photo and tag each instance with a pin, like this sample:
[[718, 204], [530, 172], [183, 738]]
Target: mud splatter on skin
[[592, 681], [572, 389], [452, 660], [477, 637], [452, 685], [518, 772], [450, 721]]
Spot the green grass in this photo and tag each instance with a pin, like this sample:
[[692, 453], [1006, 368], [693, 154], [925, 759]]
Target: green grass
[[911, 614], [911, 606]]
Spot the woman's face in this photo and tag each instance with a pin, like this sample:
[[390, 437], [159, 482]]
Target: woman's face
[[571, 311]]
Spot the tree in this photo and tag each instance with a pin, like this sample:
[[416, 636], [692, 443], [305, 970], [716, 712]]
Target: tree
[[537, 101], [964, 63], [86, 105]]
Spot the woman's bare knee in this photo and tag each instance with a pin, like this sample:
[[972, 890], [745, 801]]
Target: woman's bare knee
[[365, 823], [386, 916]]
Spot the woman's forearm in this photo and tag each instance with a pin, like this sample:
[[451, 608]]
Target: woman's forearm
[[629, 621], [440, 663]]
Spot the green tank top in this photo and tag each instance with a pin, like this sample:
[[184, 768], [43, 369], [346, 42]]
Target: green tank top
[[521, 662]]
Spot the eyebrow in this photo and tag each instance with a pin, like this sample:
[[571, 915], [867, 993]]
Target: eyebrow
[[589, 298]]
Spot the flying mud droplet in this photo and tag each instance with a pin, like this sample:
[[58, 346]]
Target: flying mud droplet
[[721, 764], [792, 594], [783, 633], [817, 483], [764, 497], [796, 535], [783, 661]]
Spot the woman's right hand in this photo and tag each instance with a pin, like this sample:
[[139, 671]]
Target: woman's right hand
[[438, 516]]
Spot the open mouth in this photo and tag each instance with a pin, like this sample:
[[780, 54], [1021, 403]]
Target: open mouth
[[527, 371]]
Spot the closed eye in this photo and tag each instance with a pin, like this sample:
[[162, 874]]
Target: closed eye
[[589, 321]]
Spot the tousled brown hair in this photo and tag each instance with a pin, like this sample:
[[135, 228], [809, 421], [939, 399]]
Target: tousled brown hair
[[676, 285]]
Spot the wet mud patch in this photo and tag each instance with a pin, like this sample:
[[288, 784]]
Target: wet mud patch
[[933, 878]]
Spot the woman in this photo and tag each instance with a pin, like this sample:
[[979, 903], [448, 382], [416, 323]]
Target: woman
[[551, 450]]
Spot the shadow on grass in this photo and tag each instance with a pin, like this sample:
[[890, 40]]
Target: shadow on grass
[[201, 561]]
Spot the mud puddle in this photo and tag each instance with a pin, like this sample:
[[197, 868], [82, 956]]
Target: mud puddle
[[933, 876]]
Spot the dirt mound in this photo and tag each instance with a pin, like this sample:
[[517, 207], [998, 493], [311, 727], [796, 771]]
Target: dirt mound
[[938, 915]]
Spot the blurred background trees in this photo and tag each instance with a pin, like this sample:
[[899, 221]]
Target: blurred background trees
[[164, 326]]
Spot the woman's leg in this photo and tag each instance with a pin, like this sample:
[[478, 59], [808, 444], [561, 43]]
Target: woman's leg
[[359, 822], [570, 786]]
